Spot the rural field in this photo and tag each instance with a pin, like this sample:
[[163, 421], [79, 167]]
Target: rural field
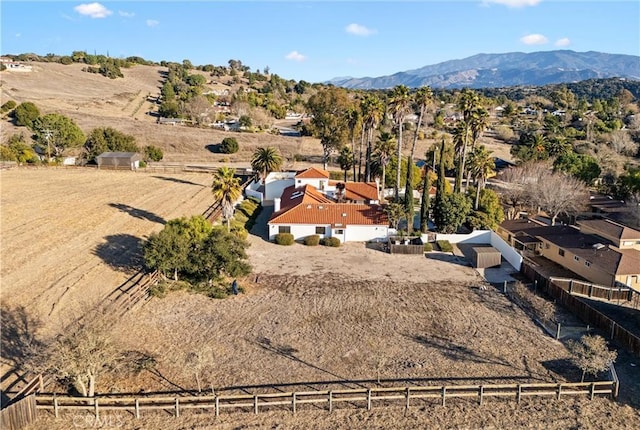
[[311, 317]]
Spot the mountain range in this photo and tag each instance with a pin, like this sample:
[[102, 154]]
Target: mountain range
[[507, 70]]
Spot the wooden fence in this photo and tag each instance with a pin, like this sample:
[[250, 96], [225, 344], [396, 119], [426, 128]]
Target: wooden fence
[[359, 397], [574, 286], [405, 245], [19, 414]]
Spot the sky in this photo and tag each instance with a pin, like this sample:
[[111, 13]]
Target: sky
[[318, 40]]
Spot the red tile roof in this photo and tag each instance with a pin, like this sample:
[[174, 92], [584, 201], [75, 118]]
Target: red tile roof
[[336, 214], [359, 191], [292, 196], [313, 173]]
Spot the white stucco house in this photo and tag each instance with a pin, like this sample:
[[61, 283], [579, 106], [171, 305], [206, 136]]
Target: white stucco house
[[312, 204]]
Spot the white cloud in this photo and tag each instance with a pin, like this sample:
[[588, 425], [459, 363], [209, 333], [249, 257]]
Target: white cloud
[[126, 14], [18, 34], [512, 3], [152, 22], [93, 10], [563, 42], [359, 30], [534, 39], [295, 56]]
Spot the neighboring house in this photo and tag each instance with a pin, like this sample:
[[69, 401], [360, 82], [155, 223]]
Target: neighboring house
[[171, 121], [119, 160], [308, 203], [600, 251]]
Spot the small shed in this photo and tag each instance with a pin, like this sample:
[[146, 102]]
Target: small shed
[[119, 160], [485, 256]]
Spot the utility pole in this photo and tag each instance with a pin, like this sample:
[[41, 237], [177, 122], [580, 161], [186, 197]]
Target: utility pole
[[47, 135]]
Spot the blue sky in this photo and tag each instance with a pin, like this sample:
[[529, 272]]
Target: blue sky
[[317, 41]]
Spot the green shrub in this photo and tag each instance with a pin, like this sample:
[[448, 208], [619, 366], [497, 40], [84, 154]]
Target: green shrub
[[229, 145], [444, 245], [153, 153], [312, 240], [284, 239], [428, 247], [8, 106], [330, 241], [142, 163]]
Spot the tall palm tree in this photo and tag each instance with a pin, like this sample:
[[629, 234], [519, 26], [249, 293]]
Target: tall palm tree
[[266, 160], [468, 102], [459, 146], [478, 123], [353, 118], [383, 150], [372, 112], [399, 105], [422, 98], [345, 159], [226, 189], [481, 165]]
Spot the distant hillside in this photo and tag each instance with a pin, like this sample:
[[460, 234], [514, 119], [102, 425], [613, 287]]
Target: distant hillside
[[506, 70]]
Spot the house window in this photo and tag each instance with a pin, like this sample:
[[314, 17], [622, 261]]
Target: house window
[[627, 243], [320, 230], [561, 252], [284, 229], [575, 257], [339, 231], [587, 263]]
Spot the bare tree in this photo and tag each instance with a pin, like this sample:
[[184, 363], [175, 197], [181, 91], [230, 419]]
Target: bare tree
[[591, 354], [198, 362], [84, 354], [621, 142]]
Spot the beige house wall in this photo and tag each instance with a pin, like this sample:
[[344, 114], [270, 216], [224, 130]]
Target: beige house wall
[[591, 273]]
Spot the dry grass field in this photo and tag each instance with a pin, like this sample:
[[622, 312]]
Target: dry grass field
[[311, 317]]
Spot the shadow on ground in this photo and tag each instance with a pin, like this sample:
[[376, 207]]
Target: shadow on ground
[[138, 213], [179, 181], [121, 251]]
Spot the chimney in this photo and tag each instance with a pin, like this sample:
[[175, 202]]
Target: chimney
[[276, 204]]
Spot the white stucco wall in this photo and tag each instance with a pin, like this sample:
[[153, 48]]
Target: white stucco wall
[[319, 184], [477, 236], [275, 188], [508, 253], [352, 233]]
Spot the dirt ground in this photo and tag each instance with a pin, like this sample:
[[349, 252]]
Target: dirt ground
[[311, 317]]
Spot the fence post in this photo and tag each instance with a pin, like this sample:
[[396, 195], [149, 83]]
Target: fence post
[[137, 409], [535, 286], [481, 392], [571, 286], [255, 404], [444, 395], [406, 406], [504, 287], [217, 406], [293, 402], [55, 406], [330, 401], [613, 329], [95, 408], [519, 393], [559, 390], [558, 331], [369, 399], [590, 289], [177, 408], [593, 391]]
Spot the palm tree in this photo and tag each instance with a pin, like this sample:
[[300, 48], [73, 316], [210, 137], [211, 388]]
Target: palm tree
[[478, 122], [383, 150], [399, 104], [226, 189], [481, 165], [422, 98], [372, 112], [459, 146], [345, 159], [467, 104], [266, 160], [353, 118]]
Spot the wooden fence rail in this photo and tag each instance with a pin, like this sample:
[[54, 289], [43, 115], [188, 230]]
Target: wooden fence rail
[[328, 399], [574, 286]]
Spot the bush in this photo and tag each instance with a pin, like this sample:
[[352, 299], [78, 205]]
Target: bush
[[312, 240], [428, 247], [8, 106], [142, 164], [444, 245], [284, 239], [229, 145], [330, 241], [153, 153]]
